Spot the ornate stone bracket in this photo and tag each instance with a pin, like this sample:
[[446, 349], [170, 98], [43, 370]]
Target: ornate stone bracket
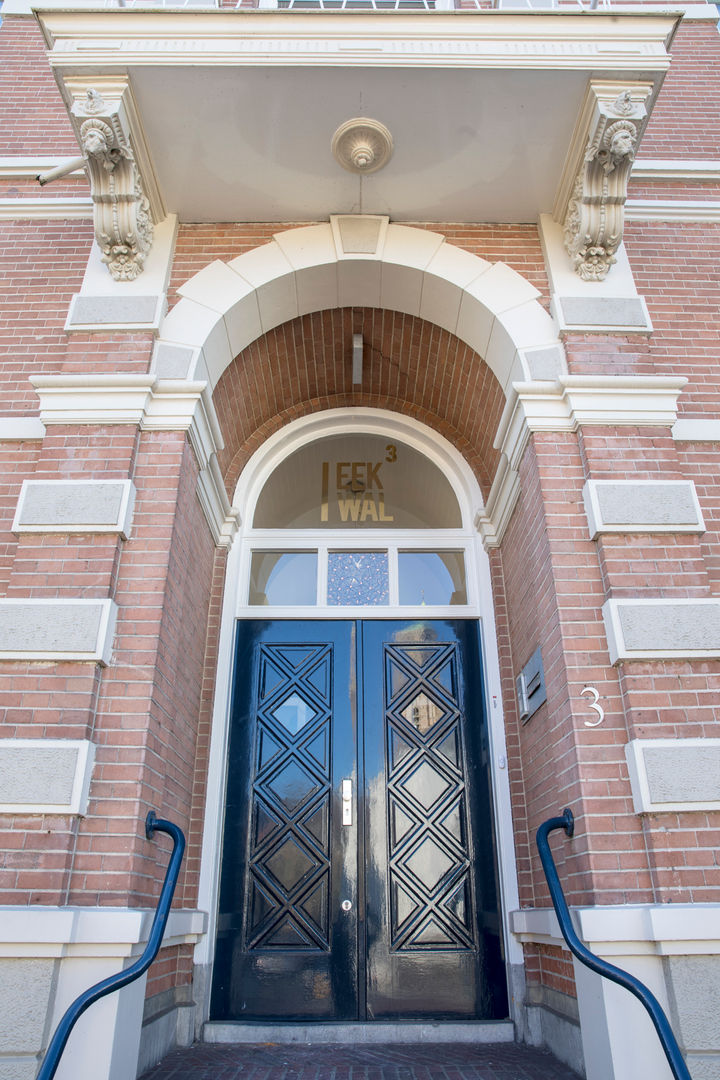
[[593, 190], [125, 193]]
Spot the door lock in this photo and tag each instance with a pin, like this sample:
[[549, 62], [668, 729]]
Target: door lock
[[346, 905], [347, 802]]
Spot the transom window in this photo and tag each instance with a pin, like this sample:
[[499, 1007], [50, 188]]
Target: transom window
[[357, 521], [357, 481]]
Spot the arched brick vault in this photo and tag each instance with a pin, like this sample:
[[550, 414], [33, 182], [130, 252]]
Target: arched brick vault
[[410, 366]]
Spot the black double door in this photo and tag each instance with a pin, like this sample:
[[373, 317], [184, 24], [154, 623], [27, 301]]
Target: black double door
[[358, 873]]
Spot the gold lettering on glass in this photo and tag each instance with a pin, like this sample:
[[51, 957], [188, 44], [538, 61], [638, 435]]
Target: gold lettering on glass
[[360, 490]]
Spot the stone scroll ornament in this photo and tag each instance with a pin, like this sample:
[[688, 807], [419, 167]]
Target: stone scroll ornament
[[593, 227], [123, 223]]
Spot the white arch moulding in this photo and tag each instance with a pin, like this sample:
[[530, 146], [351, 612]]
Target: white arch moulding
[[257, 471], [360, 261]]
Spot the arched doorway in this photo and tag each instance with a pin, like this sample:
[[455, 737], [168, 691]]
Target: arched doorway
[[359, 875]]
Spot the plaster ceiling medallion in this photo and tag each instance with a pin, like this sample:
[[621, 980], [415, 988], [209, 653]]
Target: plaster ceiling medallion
[[362, 145]]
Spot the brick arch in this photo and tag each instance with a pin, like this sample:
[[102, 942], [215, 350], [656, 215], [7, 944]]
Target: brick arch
[[411, 367]]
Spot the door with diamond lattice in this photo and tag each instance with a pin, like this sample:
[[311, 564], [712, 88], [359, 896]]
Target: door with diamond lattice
[[380, 904]]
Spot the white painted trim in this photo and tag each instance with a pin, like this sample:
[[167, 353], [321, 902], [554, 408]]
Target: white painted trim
[[46, 209], [643, 801], [676, 168], [654, 929], [84, 762], [21, 428], [574, 400], [101, 649], [30, 167], [153, 405], [603, 43], [91, 931], [689, 210], [256, 472], [120, 525], [696, 430]]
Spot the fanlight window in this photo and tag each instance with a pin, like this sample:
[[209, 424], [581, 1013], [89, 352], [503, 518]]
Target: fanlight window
[[357, 481], [351, 521]]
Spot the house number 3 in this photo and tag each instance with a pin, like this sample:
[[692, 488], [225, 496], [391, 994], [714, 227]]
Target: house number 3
[[594, 705]]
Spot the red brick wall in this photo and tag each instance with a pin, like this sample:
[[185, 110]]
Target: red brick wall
[[40, 126]]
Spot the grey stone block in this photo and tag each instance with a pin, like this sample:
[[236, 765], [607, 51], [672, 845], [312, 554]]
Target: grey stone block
[[694, 984], [112, 310], [37, 774], [172, 361], [704, 1066], [19, 1069], [643, 506], [545, 364], [89, 505], [602, 311], [54, 629], [671, 627], [681, 774], [25, 988]]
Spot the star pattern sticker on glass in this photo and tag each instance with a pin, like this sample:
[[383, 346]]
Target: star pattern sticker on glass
[[357, 577]]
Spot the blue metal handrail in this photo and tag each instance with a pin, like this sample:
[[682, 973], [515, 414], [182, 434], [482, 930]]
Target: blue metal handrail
[[59, 1040], [609, 971]]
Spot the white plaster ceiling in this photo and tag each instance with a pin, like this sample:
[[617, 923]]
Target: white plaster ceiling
[[253, 144]]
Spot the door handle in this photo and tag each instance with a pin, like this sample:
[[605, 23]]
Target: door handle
[[347, 802]]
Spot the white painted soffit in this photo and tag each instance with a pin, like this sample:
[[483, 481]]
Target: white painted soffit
[[448, 87]]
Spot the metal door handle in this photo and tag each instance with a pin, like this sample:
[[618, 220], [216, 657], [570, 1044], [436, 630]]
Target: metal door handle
[[347, 802]]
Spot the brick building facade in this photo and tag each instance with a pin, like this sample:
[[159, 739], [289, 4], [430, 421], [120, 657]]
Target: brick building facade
[[304, 249]]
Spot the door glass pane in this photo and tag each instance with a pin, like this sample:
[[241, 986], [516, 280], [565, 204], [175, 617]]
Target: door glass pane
[[358, 577], [283, 578], [357, 482], [432, 577]]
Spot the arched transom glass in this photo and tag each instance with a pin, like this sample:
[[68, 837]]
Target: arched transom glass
[[357, 521]]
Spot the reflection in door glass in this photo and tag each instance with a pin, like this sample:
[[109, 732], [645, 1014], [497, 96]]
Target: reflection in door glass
[[358, 577], [283, 578], [432, 577]]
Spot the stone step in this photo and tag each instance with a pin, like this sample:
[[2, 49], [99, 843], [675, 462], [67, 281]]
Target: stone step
[[405, 1031]]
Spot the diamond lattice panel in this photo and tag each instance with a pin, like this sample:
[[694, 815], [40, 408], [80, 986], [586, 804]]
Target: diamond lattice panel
[[289, 867], [430, 881]]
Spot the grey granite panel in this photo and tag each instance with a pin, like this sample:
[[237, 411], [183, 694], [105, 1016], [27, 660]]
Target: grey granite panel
[[683, 773], [603, 311], [25, 986], [117, 310], [695, 994], [172, 361], [52, 628], [39, 774], [19, 1069], [545, 364], [646, 504], [670, 628], [72, 504]]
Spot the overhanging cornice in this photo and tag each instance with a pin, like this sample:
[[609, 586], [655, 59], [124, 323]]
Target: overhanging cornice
[[87, 40]]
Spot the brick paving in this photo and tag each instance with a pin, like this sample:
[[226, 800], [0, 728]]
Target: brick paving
[[412, 1061]]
